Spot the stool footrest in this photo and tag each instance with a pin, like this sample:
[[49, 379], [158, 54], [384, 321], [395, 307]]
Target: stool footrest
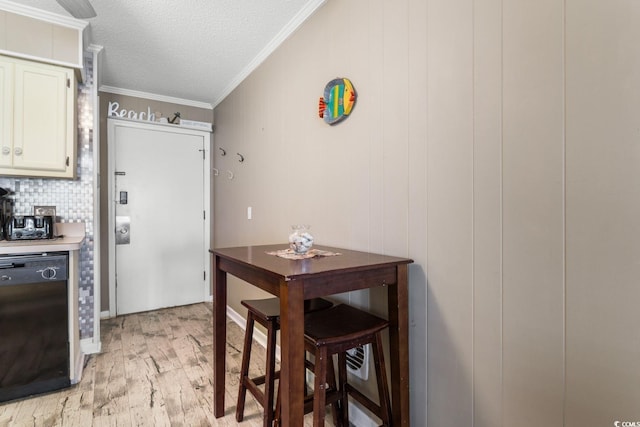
[[253, 389], [333, 396], [364, 400], [262, 378]]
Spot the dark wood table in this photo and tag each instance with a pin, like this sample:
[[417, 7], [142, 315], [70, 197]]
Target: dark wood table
[[296, 280]]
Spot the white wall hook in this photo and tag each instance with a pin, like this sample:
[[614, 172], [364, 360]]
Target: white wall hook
[[215, 171], [230, 174]]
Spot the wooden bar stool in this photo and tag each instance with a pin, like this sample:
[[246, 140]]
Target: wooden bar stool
[[267, 313], [334, 331]]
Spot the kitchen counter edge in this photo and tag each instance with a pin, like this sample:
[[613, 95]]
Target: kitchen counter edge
[[74, 234]]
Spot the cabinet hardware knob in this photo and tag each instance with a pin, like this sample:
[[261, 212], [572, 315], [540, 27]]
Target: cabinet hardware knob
[[6, 150], [17, 151]]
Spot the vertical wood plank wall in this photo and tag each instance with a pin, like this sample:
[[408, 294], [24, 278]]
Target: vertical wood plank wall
[[602, 210], [487, 215], [497, 144], [533, 210]]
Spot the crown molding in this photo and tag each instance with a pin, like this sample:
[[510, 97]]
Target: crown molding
[[155, 97], [291, 26], [43, 15]]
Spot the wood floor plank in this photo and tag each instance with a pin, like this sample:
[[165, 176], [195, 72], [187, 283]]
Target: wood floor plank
[[198, 370], [155, 332], [146, 403], [78, 411], [25, 410], [111, 402], [133, 340], [50, 409], [111, 334], [181, 402]]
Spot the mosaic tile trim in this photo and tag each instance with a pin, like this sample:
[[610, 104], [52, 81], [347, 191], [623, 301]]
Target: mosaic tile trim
[[73, 199]]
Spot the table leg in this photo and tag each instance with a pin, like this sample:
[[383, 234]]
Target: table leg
[[219, 336], [399, 340], [292, 353]]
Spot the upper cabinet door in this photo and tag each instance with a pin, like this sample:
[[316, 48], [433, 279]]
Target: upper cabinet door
[[6, 113], [44, 125]]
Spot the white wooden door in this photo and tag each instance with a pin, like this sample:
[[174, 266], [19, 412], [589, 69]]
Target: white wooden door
[[160, 185]]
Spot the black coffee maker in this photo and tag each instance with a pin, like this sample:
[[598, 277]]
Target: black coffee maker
[[6, 208]]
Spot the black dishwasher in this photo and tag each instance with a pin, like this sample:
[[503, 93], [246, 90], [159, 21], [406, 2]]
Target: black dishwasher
[[34, 327]]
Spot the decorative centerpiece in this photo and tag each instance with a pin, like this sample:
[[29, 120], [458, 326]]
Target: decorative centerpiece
[[300, 240]]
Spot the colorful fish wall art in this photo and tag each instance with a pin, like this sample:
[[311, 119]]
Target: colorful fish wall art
[[338, 101]]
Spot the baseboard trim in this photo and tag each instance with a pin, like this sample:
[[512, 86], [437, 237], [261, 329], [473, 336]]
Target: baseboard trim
[[88, 346], [78, 368]]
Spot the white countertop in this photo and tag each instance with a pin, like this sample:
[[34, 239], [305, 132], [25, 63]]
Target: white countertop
[[72, 236]]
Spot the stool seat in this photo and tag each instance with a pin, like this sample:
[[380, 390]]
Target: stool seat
[[267, 313], [334, 331], [341, 324], [269, 308]]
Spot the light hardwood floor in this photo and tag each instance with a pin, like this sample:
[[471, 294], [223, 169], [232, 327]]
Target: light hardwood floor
[[155, 369]]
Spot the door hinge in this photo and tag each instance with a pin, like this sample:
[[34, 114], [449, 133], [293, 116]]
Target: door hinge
[[68, 83], [204, 215], [67, 160], [204, 275]]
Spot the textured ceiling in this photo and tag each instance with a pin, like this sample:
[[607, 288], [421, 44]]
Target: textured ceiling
[[195, 50]]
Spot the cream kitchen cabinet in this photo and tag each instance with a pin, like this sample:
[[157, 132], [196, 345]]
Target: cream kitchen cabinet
[[37, 119]]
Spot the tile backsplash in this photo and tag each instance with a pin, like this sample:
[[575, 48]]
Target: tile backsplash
[[73, 199]]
